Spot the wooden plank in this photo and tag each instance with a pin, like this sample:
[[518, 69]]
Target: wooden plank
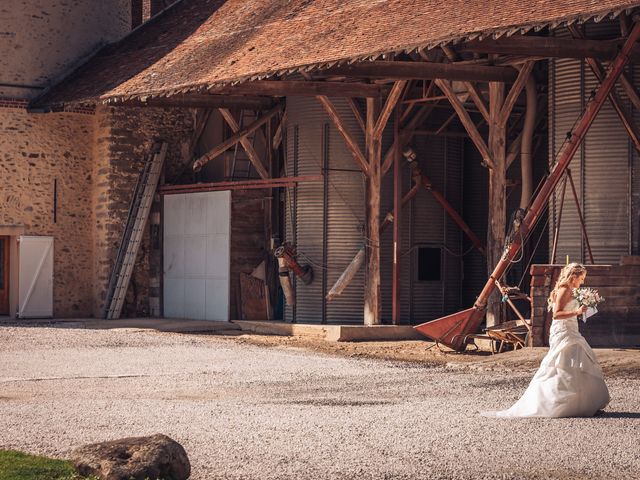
[[514, 93], [389, 105], [424, 71], [468, 124], [549, 47], [284, 88], [254, 158], [253, 302], [352, 145], [235, 138]]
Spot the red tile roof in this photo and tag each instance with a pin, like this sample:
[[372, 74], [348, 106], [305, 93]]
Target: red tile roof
[[197, 44]]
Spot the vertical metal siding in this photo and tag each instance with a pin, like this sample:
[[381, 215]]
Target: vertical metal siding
[[600, 171], [346, 218], [476, 199], [453, 241], [424, 221], [329, 246], [565, 105]]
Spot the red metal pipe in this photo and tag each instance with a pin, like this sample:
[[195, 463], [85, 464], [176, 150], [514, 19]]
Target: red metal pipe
[[453, 214], [580, 217], [468, 321], [305, 273]]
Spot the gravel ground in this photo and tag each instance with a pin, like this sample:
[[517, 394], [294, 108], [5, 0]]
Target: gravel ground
[[247, 411]]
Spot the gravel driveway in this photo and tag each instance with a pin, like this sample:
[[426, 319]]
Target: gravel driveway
[[249, 412]]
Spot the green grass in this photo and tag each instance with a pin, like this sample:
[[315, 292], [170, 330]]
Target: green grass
[[20, 466]]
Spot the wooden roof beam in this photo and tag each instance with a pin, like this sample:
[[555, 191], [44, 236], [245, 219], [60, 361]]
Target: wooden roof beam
[[424, 70], [468, 124], [254, 158], [283, 88], [549, 47], [200, 101], [352, 145], [235, 138]]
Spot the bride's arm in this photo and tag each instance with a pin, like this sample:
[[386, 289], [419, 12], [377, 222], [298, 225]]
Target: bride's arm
[[563, 297]]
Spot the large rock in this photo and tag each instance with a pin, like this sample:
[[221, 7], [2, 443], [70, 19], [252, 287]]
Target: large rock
[[137, 458]]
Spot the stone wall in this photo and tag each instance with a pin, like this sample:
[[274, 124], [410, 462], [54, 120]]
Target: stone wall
[[124, 138], [37, 151], [40, 41]]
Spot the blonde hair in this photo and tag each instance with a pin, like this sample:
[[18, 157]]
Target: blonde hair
[[571, 270]]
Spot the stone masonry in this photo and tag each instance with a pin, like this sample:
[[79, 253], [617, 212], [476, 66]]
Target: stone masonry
[[124, 137], [36, 151]]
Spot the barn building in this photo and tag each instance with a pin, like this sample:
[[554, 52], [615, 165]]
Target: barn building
[[317, 162]]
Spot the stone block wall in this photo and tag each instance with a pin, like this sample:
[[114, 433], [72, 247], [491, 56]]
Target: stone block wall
[[124, 138], [36, 152]]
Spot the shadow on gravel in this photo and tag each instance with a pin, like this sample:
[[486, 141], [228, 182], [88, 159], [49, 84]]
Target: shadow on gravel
[[619, 415]]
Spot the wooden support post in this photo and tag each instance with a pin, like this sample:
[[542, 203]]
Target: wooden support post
[[372, 232], [497, 192], [397, 207], [254, 158]]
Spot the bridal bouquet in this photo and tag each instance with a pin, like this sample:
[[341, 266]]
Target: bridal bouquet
[[590, 298]]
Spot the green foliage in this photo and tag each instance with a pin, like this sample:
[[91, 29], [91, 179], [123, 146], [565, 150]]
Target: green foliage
[[20, 466]]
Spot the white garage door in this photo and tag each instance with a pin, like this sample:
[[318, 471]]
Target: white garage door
[[196, 255]]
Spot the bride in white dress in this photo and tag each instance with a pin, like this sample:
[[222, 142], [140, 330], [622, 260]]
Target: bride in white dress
[[569, 382]]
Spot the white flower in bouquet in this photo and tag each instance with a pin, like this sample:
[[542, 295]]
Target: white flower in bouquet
[[590, 298], [587, 297]]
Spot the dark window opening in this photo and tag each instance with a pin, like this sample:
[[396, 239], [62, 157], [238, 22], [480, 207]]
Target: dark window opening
[[429, 261]]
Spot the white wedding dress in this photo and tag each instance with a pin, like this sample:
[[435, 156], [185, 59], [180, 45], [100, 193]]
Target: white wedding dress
[[569, 382]]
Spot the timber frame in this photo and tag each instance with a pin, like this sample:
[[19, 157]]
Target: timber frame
[[479, 82]]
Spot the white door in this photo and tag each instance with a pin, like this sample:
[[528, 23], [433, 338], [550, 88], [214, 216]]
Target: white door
[[196, 255], [35, 277]]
